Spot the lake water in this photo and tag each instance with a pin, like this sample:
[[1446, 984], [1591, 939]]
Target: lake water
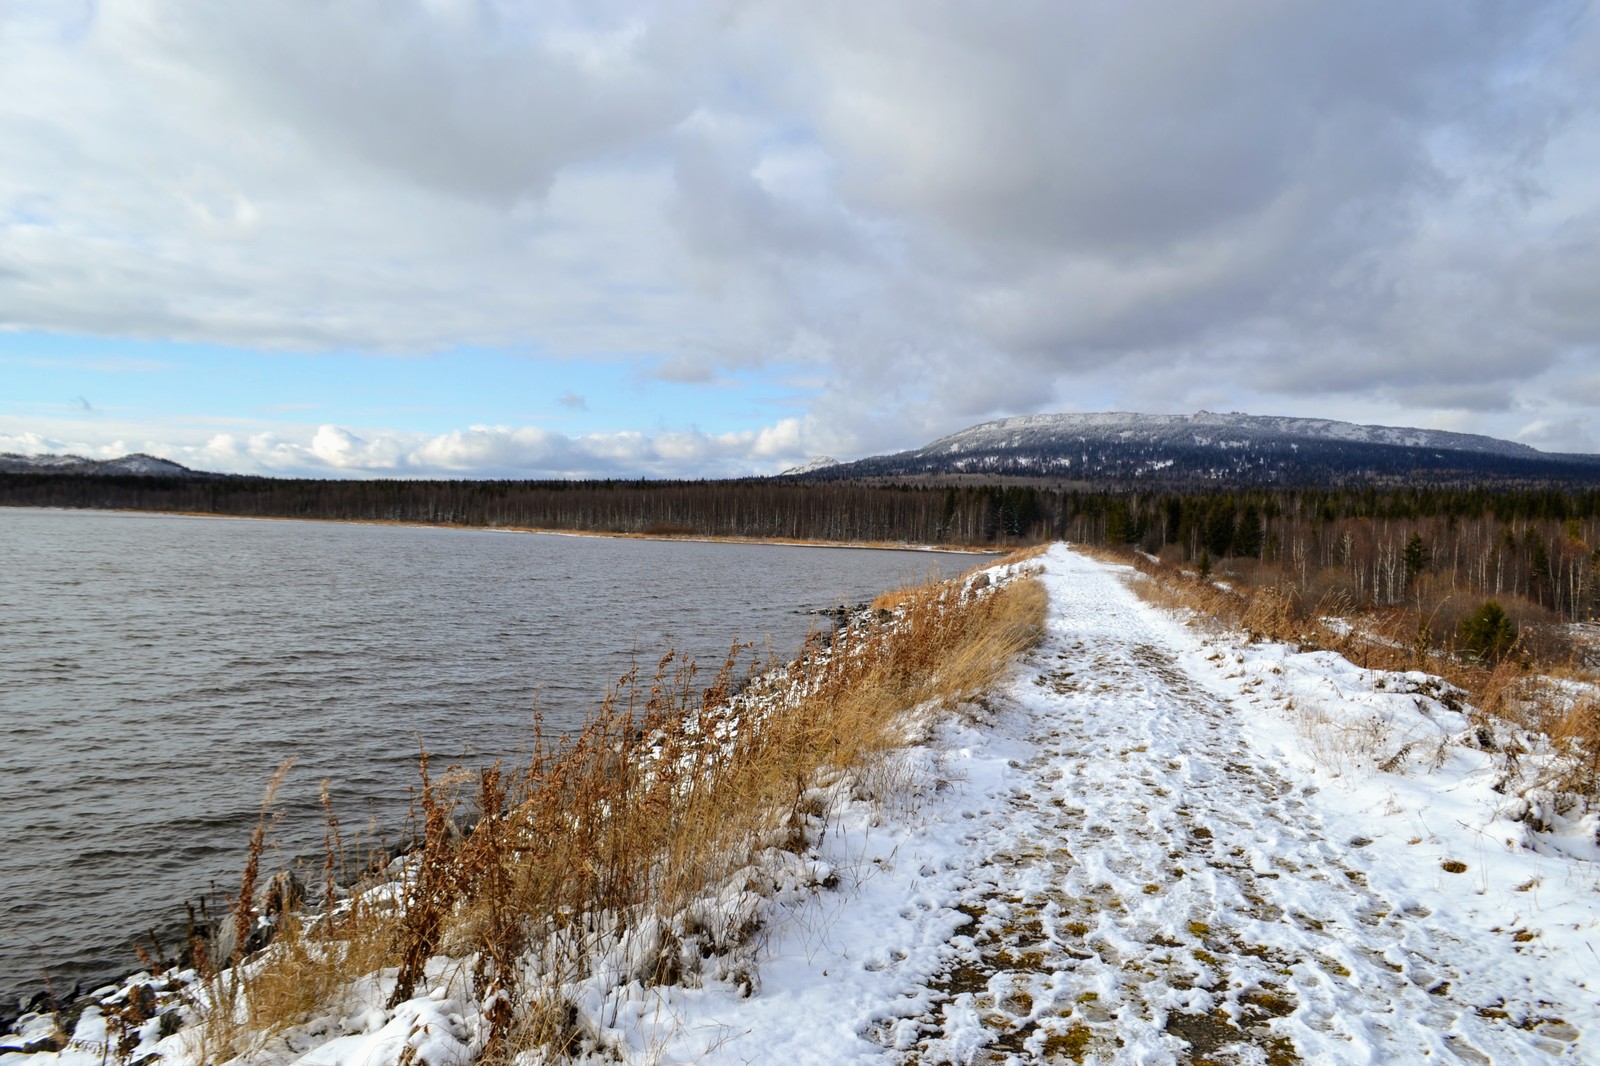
[[155, 670]]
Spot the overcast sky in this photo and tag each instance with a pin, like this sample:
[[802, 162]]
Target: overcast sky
[[448, 237]]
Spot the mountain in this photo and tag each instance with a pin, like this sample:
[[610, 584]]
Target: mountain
[[137, 465], [1124, 448], [821, 462]]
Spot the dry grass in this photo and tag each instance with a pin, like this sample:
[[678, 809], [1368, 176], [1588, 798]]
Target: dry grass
[[1020, 555], [617, 834], [1578, 731]]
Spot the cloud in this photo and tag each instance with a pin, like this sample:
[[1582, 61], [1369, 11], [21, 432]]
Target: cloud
[[478, 101], [943, 211], [1586, 390], [477, 451], [1298, 201], [572, 401], [1565, 435], [685, 370], [370, 175]]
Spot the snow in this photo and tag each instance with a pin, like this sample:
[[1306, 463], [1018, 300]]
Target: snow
[[811, 466], [1155, 844]]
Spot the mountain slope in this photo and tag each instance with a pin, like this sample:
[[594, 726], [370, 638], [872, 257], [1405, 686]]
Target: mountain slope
[[1229, 448], [137, 464]]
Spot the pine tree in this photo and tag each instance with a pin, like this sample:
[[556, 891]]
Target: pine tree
[[1488, 634], [1414, 558]]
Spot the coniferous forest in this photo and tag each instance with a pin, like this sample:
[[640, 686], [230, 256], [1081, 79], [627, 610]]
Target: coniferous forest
[[1537, 548]]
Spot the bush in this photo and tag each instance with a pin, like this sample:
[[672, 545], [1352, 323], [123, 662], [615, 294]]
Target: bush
[[1487, 634]]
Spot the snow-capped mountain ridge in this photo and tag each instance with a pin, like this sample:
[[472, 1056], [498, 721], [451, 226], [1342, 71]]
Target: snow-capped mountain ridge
[[1115, 447], [138, 464], [811, 466], [1205, 429]]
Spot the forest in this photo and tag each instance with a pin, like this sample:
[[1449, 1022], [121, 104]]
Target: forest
[[782, 510], [1538, 549]]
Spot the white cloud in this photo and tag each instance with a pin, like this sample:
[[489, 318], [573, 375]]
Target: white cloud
[[944, 211], [476, 451]]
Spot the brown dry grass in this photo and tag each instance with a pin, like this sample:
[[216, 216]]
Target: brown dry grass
[[1020, 555], [668, 792], [895, 598], [1579, 732]]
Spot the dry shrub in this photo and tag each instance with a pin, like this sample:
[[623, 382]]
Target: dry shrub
[[1271, 614], [890, 599], [617, 831], [1331, 586], [310, 968], [1171, 555], [1578, 732]]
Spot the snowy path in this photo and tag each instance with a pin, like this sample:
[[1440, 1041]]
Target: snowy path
[[1156, 874], [1128, 866]]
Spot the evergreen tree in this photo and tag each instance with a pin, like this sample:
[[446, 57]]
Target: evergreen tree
[[1247, 536], [1118, 528], [1488, 634], [1415, 558], [1539, 571], [1219, 527]]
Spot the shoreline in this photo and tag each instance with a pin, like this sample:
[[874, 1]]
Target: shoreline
[[168, 973], [689, 538], [78, 985]]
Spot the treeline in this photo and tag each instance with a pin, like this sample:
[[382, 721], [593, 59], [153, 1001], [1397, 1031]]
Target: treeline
[[1372, 546], [1435, 549], [975, 515]]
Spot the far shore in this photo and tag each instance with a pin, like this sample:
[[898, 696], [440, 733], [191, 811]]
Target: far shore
[[692, 538]]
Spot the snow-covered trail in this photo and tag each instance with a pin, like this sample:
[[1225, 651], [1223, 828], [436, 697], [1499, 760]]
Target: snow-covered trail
[[1133, 858], [1155, 880]]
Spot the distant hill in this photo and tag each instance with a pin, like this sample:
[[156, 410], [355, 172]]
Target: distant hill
[[1124, 448], [137, 465], [821, 462]]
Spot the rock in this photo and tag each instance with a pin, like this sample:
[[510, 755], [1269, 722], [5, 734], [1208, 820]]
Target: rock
[[840, 614], [53, 1042], [142, 1001], [284, 892]]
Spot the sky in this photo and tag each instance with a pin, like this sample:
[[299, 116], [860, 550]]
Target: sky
[[469, 238]]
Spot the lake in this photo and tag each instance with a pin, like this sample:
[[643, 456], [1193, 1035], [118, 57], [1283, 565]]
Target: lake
[[157, 669]]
